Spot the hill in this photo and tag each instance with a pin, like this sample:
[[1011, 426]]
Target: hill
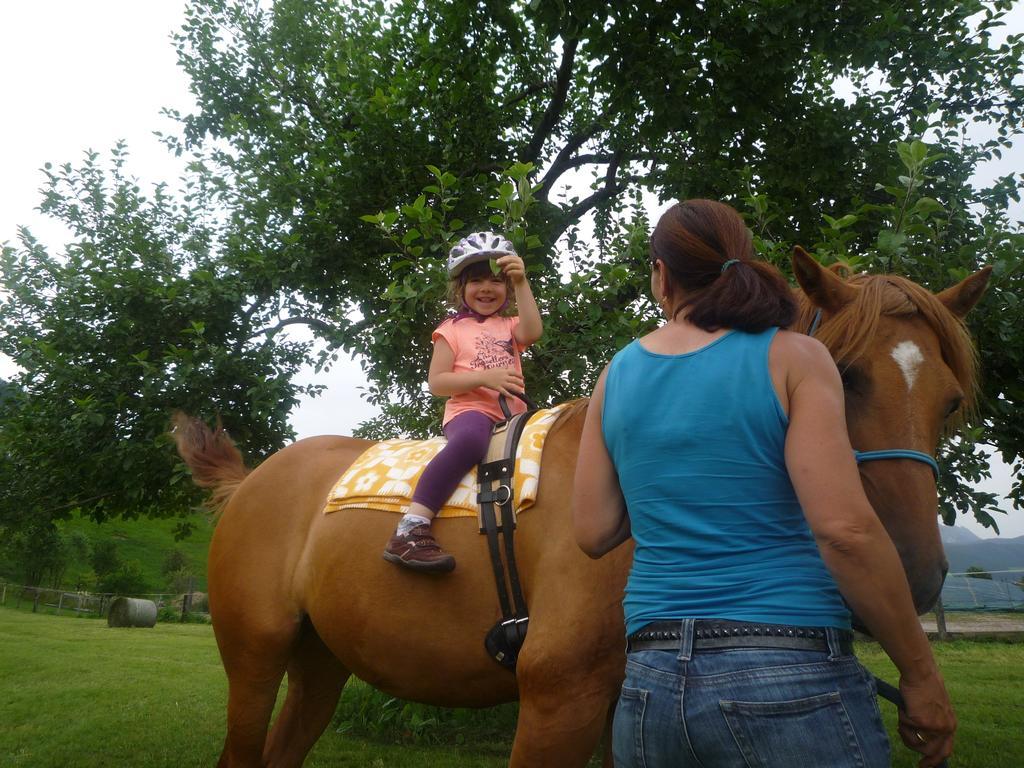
[[1003, 558], [951, 534], [990, 554], [146, 541]]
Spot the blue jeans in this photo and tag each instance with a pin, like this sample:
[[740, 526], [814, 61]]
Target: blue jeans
[[747, 708]]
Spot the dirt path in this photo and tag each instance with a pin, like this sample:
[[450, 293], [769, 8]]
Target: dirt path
[[969, 623]]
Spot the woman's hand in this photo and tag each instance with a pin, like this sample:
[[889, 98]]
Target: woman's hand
[[513, 267], [927, 722], [504, 380]]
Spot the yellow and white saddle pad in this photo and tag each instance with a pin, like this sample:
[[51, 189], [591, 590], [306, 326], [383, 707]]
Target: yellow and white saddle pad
[[385, 475]]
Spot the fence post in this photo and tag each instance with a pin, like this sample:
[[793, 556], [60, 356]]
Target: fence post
[[3, 598], [940, 619], [186, 600], [35, 600], [60, 602]]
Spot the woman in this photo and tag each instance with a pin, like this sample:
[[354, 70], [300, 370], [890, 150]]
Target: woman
[[707, 441]]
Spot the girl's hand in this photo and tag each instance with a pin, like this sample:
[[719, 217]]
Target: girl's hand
[[504, 380], [513, 268]]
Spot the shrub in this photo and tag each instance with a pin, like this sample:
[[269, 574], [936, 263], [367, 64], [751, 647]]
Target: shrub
[[105, 558], [977, 572], [180, 581], [128, 579], [175, 562]]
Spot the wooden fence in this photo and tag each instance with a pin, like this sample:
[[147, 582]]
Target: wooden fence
[[61, 601]]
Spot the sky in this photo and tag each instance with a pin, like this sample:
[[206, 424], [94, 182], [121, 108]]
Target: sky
[[82, 75]]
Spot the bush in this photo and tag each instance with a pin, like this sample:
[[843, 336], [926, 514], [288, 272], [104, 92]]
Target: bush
[[977, 572], [180, 581], [128, 579], [105, 558], [175, 562]]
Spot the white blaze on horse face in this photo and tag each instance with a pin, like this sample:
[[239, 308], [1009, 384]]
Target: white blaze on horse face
[[909, 358]]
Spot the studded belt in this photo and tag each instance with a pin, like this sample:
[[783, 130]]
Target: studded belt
[[719, 633]]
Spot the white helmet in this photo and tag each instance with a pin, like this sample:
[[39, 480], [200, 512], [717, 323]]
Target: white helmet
[[479, 246]]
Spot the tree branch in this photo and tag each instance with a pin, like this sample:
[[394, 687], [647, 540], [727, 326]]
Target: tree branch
[[525, 94], [554, 111], [563, 160], [312, 322], [611, 188]]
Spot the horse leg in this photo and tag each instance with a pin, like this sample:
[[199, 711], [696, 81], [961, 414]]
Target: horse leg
[[255, 660], [608, 760], [315, 680], [563, 713], [558, 733]]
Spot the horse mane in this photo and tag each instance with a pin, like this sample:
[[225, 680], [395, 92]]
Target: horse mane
[[573, 408], [849, 331]]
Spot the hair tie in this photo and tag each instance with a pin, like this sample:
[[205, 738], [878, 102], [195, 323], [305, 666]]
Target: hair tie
[[729, 263]]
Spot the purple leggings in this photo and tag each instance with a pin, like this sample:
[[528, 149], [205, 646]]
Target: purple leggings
[[468, 436]]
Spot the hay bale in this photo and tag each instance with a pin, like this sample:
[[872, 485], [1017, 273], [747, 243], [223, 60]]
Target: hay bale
[[131, 612]]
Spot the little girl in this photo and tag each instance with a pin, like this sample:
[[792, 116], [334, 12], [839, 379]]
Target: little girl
[[476, 359]]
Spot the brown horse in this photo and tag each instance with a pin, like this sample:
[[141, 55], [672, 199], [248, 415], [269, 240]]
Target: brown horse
[[298, 592]]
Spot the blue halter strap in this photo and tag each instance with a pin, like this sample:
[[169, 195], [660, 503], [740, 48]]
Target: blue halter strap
[[898, 453], [892, 453]]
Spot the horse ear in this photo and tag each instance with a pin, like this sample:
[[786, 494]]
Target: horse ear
[[824, 288], [961, 298]]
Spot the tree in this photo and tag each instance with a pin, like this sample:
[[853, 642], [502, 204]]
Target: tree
[[135, 319], [429, 118], [177, 572], [175, 560], [127, 579], [977, 572], [38, 552], [105, 558]]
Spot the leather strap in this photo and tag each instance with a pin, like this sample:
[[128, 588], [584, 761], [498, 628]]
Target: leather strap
[[514, 612], [719, 634]]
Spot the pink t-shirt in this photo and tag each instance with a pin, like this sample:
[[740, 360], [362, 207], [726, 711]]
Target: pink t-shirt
[[479, 346]]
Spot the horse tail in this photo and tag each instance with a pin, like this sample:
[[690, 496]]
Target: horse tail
[[212, 456]]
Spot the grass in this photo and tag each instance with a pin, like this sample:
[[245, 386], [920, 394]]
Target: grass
[[77, 693], [986, 682]]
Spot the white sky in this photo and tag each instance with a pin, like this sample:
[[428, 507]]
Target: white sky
[[81, 75]]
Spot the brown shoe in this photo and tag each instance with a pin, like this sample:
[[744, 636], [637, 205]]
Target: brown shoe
[[418, 550]]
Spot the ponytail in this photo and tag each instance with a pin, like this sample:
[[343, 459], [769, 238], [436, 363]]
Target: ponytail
[[708, 252]]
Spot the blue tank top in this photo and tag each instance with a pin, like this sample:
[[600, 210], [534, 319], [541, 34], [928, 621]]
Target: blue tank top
[[698, 444]]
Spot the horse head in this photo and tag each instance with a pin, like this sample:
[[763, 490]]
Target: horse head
[[909, 373]]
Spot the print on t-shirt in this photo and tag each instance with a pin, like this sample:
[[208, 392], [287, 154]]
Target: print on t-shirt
[[493, 353]]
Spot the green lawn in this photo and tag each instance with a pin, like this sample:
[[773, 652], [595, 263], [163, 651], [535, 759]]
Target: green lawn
[[77, 693]]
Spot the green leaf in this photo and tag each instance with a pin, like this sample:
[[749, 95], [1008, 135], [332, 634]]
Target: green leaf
[[906, 156], [918, 151], [926, 206], [890, 242]]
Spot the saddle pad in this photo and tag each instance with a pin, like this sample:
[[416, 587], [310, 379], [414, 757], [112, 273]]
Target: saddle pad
[[385, 475]]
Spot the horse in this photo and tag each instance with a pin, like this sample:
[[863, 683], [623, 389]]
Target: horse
[[296, 592]]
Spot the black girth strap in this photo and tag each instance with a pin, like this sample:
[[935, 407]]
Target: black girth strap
[[497, 488]]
